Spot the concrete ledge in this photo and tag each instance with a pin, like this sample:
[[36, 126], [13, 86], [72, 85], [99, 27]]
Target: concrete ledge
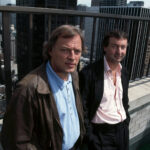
[[139, 89], [140, 103]]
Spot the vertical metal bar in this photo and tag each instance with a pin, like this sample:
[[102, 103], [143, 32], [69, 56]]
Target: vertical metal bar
[[67, 19], [148, 69], [146, 49], [81, 23], [49, 25], [30, 41], [143, 48], [93, 40], [133, 49], [7, 54], [45, 26]]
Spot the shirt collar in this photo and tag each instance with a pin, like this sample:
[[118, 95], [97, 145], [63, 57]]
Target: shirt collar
[[61, 83], [108, 69]]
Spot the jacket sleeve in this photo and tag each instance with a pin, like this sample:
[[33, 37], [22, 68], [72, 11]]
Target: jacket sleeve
[[18, 122], [125, 94], [85, 89]]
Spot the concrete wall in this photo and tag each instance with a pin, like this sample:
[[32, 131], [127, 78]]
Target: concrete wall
[[139, 94]]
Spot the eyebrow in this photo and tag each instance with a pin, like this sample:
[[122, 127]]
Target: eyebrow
[[71, 48]]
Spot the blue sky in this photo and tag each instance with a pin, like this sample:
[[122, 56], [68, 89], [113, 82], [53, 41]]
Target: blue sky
[[88, 2]]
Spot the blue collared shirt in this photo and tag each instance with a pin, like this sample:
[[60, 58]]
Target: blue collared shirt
[[66, 106]]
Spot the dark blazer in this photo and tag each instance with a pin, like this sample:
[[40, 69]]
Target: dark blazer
[[91, 87]]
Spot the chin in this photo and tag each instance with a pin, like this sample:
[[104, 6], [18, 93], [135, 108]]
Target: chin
[[70, 70], [118, 59]]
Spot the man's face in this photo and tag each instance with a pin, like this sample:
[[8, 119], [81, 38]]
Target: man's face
[[65, 55], [116, 50]]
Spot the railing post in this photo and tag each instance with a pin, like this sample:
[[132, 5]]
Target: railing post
[[93, 40], [146, 49], [49, 25], [81, 23], [67, 20], [7, 54], [30, 40], [148, 69]]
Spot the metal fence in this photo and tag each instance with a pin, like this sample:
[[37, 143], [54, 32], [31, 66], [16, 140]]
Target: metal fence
[[137, 61]]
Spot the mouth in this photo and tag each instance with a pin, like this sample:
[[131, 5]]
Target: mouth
[[119, 57], [71, 65]]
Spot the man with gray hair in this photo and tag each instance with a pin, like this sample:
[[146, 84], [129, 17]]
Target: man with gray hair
[[45, 111]]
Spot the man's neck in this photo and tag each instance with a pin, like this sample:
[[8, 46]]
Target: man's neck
[[63, 76], [113, 66]]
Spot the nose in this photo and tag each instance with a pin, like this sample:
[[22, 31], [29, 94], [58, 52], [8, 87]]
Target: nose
[[71, 54], [119, 49]]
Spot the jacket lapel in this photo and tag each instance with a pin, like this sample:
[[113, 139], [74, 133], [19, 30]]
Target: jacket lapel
[[98, 80], [75, 84]]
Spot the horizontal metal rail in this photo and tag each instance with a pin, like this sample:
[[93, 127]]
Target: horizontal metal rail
[[20, 9]]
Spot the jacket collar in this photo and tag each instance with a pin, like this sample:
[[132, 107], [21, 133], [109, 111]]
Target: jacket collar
[[42, 80], [75, 80]]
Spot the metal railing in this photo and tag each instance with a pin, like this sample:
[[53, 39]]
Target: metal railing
[[122, 22]]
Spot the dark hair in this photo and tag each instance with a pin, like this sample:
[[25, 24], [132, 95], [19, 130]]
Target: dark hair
[[116, 34], [65, 31]]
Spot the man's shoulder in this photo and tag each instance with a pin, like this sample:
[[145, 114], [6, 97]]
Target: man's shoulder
[[32, 78], [94, 67]]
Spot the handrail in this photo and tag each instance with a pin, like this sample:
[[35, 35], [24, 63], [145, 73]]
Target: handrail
[[37, 10]]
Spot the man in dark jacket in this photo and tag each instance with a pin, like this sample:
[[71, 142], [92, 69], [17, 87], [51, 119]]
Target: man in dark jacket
[[104, 89], [45, 112]]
